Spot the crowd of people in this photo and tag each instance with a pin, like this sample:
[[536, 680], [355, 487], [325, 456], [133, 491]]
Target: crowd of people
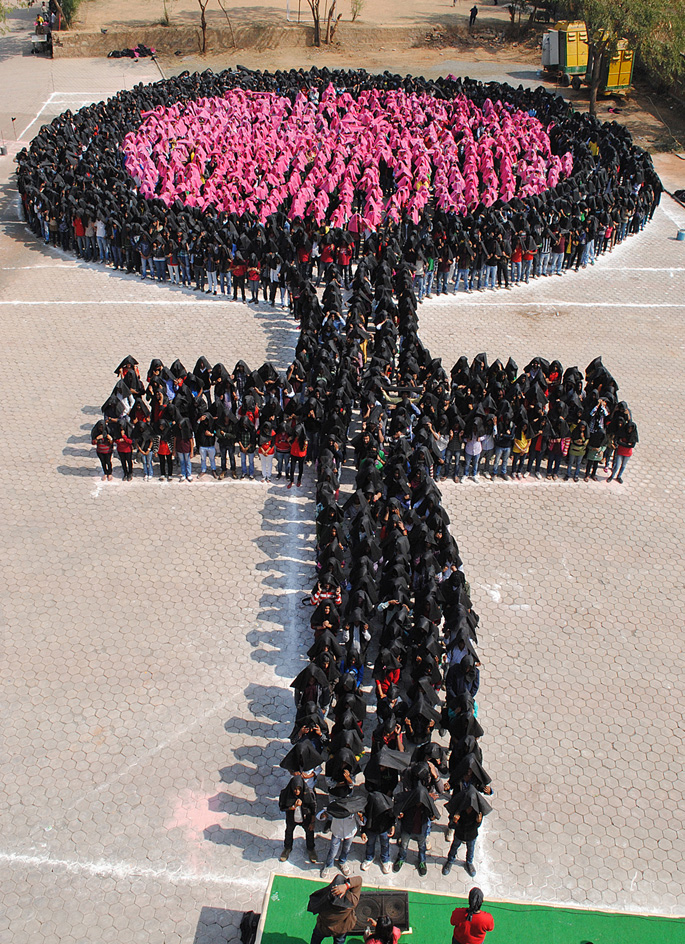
[[500, 185], [482, 422], [390, 593]]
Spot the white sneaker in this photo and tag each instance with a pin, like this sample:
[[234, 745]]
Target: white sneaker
[[325, 873], [344, 868], [366, 865], [429, 845], [386, 868]]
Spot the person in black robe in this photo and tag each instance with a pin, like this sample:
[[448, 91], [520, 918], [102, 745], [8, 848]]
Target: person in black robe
[[297, 801]]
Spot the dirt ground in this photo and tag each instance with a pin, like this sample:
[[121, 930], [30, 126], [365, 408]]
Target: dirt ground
[[95, 14]]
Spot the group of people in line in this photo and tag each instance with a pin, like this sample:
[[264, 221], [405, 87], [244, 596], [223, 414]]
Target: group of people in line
[[465, 208], [230, 420], [482, 422], [390, 594]]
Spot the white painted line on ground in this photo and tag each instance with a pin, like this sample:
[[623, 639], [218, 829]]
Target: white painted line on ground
[[145, 756], [85, 98], [40, 112], [124, 870], [56, 265]]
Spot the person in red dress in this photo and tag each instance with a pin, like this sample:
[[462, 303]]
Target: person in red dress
[[471, 924]]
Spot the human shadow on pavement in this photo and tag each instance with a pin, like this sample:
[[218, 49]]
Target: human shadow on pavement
[[255, 848], [218, 926], [240, 806]]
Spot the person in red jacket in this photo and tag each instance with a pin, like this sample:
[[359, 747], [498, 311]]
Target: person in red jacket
[[298, 451], [471, 924], [125, 453], [103, 446]]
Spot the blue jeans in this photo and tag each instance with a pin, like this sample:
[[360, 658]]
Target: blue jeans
[[490, 276], [184, 264], [225, 283], [160, 269], [429, 282], [212, 283], [617, 469], [527, 270], [465, 276], [553, 462], [454, 848], [502, 454], [384, 841], [442, 282], [588, 253], [451, 459], [437, 468], [339, 849], [471, 467], [102, 248], [145, 264], [555, 263], [515, 272], [148, 468], [282, 462], [419, 283], [207, 452], [420, 838], [541, 263], [247, 458], [184, 460], [573, 466], [478, 275]]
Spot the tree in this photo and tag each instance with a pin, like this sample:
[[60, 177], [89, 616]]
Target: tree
[[315, 7], [6, 8], [203, 4], [655, 30]]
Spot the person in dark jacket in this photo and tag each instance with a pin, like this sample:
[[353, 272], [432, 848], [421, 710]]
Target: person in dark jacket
[[337, 913], [297, 802]]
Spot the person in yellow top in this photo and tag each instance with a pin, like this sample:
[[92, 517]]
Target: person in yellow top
[[521, 448]]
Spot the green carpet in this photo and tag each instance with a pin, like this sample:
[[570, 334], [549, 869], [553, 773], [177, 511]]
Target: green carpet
[[288, 922]]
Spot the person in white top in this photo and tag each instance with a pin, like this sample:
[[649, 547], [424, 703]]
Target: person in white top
[[344, 825], [473, 448], [101, 236]]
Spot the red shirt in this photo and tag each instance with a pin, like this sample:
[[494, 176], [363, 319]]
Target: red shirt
[[473, 931]]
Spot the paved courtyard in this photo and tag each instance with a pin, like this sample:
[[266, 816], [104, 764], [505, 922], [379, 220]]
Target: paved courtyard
[[151, 630]]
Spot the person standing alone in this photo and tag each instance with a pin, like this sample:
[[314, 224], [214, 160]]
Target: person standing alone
[[471, 924]]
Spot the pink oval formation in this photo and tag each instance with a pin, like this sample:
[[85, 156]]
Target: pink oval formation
[[348, 160]]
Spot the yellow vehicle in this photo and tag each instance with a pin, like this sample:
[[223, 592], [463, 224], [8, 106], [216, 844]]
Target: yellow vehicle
[[567, 56], [565, 51], [617, 72]]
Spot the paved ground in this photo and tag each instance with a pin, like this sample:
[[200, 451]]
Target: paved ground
[[151, 631]]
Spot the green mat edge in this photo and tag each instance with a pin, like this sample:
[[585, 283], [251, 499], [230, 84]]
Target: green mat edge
[[517, 903]]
